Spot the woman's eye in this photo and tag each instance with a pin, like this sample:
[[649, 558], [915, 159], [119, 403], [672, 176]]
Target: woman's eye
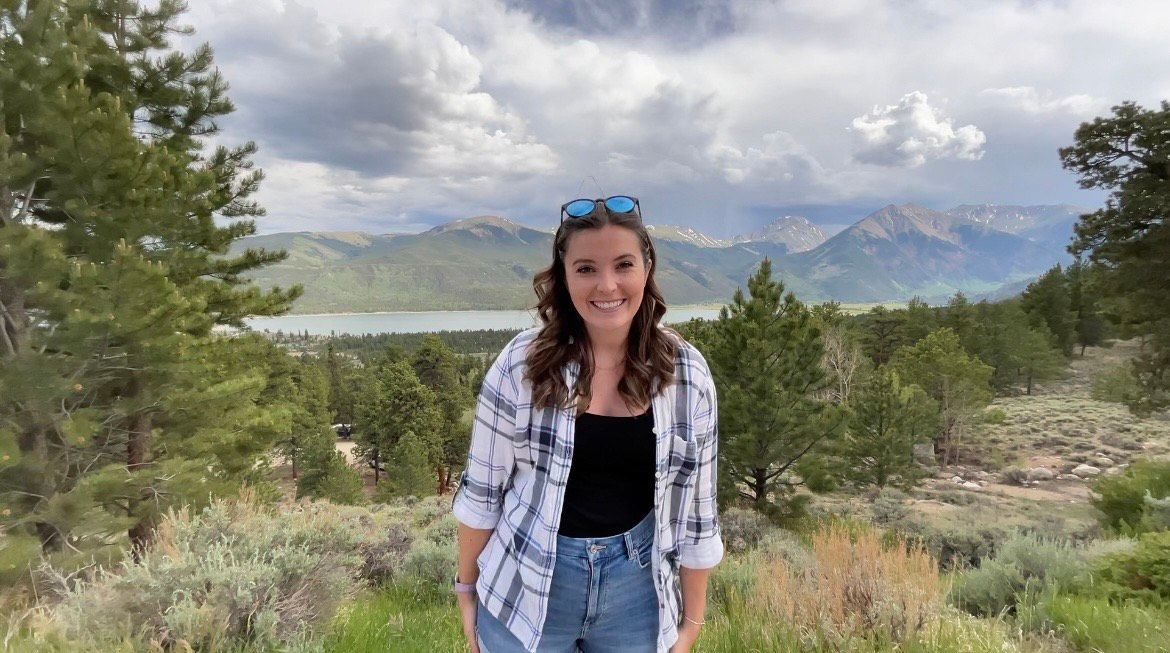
[[626, 264], [584, 270]]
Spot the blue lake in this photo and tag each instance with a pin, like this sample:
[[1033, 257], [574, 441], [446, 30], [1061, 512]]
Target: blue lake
[[427, 321]]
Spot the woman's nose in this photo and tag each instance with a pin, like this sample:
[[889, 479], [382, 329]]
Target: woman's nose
[[607, 282]]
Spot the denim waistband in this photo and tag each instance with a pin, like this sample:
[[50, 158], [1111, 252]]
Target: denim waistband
[[603, 548]]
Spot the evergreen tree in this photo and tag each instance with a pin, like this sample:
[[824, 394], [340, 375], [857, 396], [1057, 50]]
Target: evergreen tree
[[886, 420], [882, 334], [1084, 288], [394, 402], [115, 226], [920, 320], [961, 316], [1127, 153], [959, 383], [437, 368], [765, 353], [1048, 302]]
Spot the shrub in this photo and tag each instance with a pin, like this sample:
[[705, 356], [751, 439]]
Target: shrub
[[383, 559], [1023, 565], [1093, 624], [1121, 499], [856, 587], [1116, 384], [958, 546], [234, 575], [742, 528], [443, 530], [1141, 573], [1014, 476], [993, 416], [429, 509], [889, 507], [430, 565]]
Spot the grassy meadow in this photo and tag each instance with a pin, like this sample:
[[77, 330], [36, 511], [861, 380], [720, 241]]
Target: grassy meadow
[[977, 558]]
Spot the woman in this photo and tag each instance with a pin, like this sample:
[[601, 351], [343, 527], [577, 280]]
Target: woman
[[587, 507]]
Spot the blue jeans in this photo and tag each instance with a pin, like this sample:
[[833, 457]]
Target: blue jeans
[[602, 598]]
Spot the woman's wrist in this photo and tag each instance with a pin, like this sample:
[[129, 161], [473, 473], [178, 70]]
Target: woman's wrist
[[694, 622]]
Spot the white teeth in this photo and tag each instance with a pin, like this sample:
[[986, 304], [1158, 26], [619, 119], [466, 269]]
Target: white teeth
[[608, 306]]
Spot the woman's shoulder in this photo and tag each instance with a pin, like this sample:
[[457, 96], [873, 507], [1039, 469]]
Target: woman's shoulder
[[687, 357]]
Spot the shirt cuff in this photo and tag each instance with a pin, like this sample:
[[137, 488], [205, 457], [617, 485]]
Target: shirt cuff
[[704, 555], [473, 516]]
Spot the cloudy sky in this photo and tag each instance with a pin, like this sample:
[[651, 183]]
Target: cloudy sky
[[395, 115]]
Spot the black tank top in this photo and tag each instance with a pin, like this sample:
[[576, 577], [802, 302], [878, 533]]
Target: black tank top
[[611, 477]]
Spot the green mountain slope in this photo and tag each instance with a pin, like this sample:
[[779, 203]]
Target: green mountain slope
[[488, 262]]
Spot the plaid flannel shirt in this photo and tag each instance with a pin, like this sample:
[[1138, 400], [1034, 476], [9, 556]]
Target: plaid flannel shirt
[[518, 465]]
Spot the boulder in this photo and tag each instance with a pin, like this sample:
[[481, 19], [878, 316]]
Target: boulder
[[957, 479], [924, 453], [1041, 474], [1104, 461], [968, 485], [1086, 471], [1068, 477]]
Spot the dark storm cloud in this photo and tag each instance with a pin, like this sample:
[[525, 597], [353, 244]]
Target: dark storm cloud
[[683, 22], [377, 103]]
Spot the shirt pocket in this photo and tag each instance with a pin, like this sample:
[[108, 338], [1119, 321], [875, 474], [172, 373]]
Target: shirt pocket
[[682, 458]]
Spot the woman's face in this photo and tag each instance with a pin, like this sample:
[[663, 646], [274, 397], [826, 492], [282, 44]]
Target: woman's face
[[606, 276]]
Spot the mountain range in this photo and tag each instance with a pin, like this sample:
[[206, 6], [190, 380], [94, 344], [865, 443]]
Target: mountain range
[[487, 262]]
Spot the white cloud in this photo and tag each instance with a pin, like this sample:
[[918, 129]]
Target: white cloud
[[909, 133], [404, 112], [1033, 101]]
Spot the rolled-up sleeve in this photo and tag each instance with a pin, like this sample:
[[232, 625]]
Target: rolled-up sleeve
[[703, 546], [478, 501]]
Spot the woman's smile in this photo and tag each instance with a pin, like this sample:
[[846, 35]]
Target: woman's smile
[[608, 306]]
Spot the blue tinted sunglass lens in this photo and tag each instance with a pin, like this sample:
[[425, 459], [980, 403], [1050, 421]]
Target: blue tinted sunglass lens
[[578, 208], [620, 204]]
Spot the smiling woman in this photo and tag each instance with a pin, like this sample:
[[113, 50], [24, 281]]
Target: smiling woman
[[587, 507]]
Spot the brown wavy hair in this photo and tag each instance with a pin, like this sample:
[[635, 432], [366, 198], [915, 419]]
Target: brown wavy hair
[[649, 362]]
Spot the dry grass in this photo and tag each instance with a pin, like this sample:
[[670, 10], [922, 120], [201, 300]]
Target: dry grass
[[856, 588]]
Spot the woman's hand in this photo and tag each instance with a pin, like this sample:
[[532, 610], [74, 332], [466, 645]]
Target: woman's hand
[[468, 605], [687, 634]]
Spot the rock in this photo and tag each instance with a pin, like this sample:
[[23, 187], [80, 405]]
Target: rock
[[1068, 477], [1086, 471], [957, 479], [982, 476], [1104, 461], [1041, 474], [924, 453], [968, 485]]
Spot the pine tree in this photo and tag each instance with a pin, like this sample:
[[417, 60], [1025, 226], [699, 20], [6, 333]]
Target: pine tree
[[1127, 153], [437, 368], [1048, 302], [394, 402], [765, 353], [959, 383], [882, 333], [110, 234], [1085, 282], [886, 420]]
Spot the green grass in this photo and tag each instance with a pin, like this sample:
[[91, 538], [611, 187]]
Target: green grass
[[399, 618], [1094, 625]]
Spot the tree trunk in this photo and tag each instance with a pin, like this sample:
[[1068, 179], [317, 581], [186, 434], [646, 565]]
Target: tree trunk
[[137, 450], [377, 465]]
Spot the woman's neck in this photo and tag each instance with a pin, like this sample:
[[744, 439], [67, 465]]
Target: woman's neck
[[609, 348]]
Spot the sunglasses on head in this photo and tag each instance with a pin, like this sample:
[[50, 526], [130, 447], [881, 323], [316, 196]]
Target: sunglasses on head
[[617, 204]]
